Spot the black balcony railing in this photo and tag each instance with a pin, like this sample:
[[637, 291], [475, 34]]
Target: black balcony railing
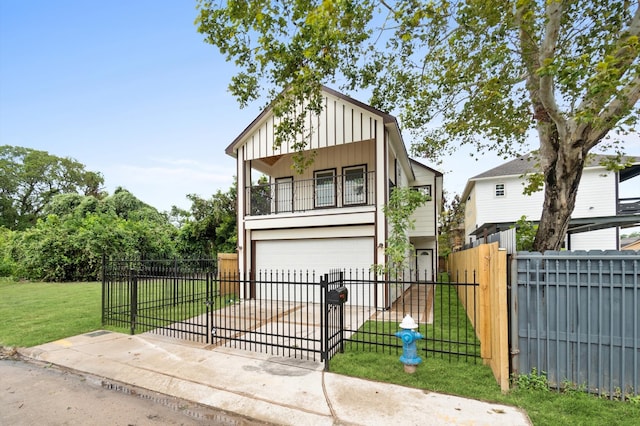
[[628, 206], [328, 191]]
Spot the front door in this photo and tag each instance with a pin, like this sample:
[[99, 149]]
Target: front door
[[424, 264]]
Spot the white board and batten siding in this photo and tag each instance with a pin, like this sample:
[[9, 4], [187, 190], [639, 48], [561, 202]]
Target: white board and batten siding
[[339, 123], [425, 216], [337, 157]]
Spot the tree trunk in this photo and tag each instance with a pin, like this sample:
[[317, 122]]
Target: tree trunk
[[562, 168]]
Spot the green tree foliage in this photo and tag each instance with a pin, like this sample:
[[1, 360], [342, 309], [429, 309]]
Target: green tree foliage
[[29, 179], [7, 263], [210, 227], [525, 234], [403, 202], [68, 243], [451, 226], [479, 72]]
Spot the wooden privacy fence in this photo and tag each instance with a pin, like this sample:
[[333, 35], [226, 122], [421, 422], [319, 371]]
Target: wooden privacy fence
[[228, 275], [488, 310]]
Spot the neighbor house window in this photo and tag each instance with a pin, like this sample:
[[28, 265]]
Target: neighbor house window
[[500, 191], [325, 188], [425, 189], [354, 189]]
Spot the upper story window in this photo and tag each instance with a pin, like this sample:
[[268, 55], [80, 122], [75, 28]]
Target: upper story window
[[354, 187], [325, 188], [500, 190], [425, 189], [284, 194]]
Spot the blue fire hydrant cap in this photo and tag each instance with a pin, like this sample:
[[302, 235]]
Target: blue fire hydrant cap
[[408, 323]]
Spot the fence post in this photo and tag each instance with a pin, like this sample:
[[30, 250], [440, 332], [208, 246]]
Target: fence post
[[104, 285], [208, 303], [323, 321], [175, 281], [341, 283], [133, 299], [513, 317]]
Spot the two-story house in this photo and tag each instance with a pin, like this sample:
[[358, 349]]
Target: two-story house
[[494, 201], [331, 215]]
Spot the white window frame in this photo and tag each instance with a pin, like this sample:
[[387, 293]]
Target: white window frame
[[354, 193], [500, 192]]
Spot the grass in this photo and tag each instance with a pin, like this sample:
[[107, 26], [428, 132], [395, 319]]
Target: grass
[[450, 332], [160, 303], [36, 313], [544, 407]]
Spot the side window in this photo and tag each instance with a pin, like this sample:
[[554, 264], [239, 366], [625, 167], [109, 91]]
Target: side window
[[354, 185], [500, 190], [325, 188], [425, 189]]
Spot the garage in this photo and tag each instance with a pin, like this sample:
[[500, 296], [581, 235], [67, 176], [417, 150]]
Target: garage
[[318, 254]]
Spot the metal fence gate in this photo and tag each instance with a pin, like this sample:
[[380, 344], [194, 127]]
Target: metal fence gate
[[275, 312], [289, 313]]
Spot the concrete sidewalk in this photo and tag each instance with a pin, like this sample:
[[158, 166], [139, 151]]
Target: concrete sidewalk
[[276, 390]]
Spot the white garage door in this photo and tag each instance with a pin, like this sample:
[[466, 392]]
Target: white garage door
[[319, 255]]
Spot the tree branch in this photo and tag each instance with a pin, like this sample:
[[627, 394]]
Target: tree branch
[[609, 116], [547, 51], [601, 104], [384, 3]]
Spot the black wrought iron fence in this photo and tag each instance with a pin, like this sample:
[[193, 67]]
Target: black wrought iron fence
[[276, 312], [290, 313], [377, 305], [169, 297]]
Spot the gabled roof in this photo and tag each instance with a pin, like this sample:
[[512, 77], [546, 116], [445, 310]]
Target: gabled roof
[[386, 118], [419, 164], [389, 121], [526, 164]]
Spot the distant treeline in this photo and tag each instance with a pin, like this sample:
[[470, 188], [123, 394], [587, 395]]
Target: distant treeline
[[56, 224]]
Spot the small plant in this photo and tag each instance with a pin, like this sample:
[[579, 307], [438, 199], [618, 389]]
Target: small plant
[[403, 202], [525, 234], [534, 381]]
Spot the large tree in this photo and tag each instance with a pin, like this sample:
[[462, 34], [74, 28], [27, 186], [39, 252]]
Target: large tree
[[210, 225], [480, 72], [30, 179]]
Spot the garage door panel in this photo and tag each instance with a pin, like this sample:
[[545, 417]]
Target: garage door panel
[[318, 255]]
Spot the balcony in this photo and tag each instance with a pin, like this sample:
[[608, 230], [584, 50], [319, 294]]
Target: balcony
[[628, 206], [326, 191]]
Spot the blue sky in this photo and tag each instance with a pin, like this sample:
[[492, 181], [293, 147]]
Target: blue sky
[[130, 89]]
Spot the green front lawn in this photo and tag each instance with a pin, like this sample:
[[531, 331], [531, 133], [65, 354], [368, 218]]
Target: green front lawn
[[36, 313]]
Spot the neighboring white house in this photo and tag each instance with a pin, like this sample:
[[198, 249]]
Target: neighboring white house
[[331, 215], [494, 201]]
